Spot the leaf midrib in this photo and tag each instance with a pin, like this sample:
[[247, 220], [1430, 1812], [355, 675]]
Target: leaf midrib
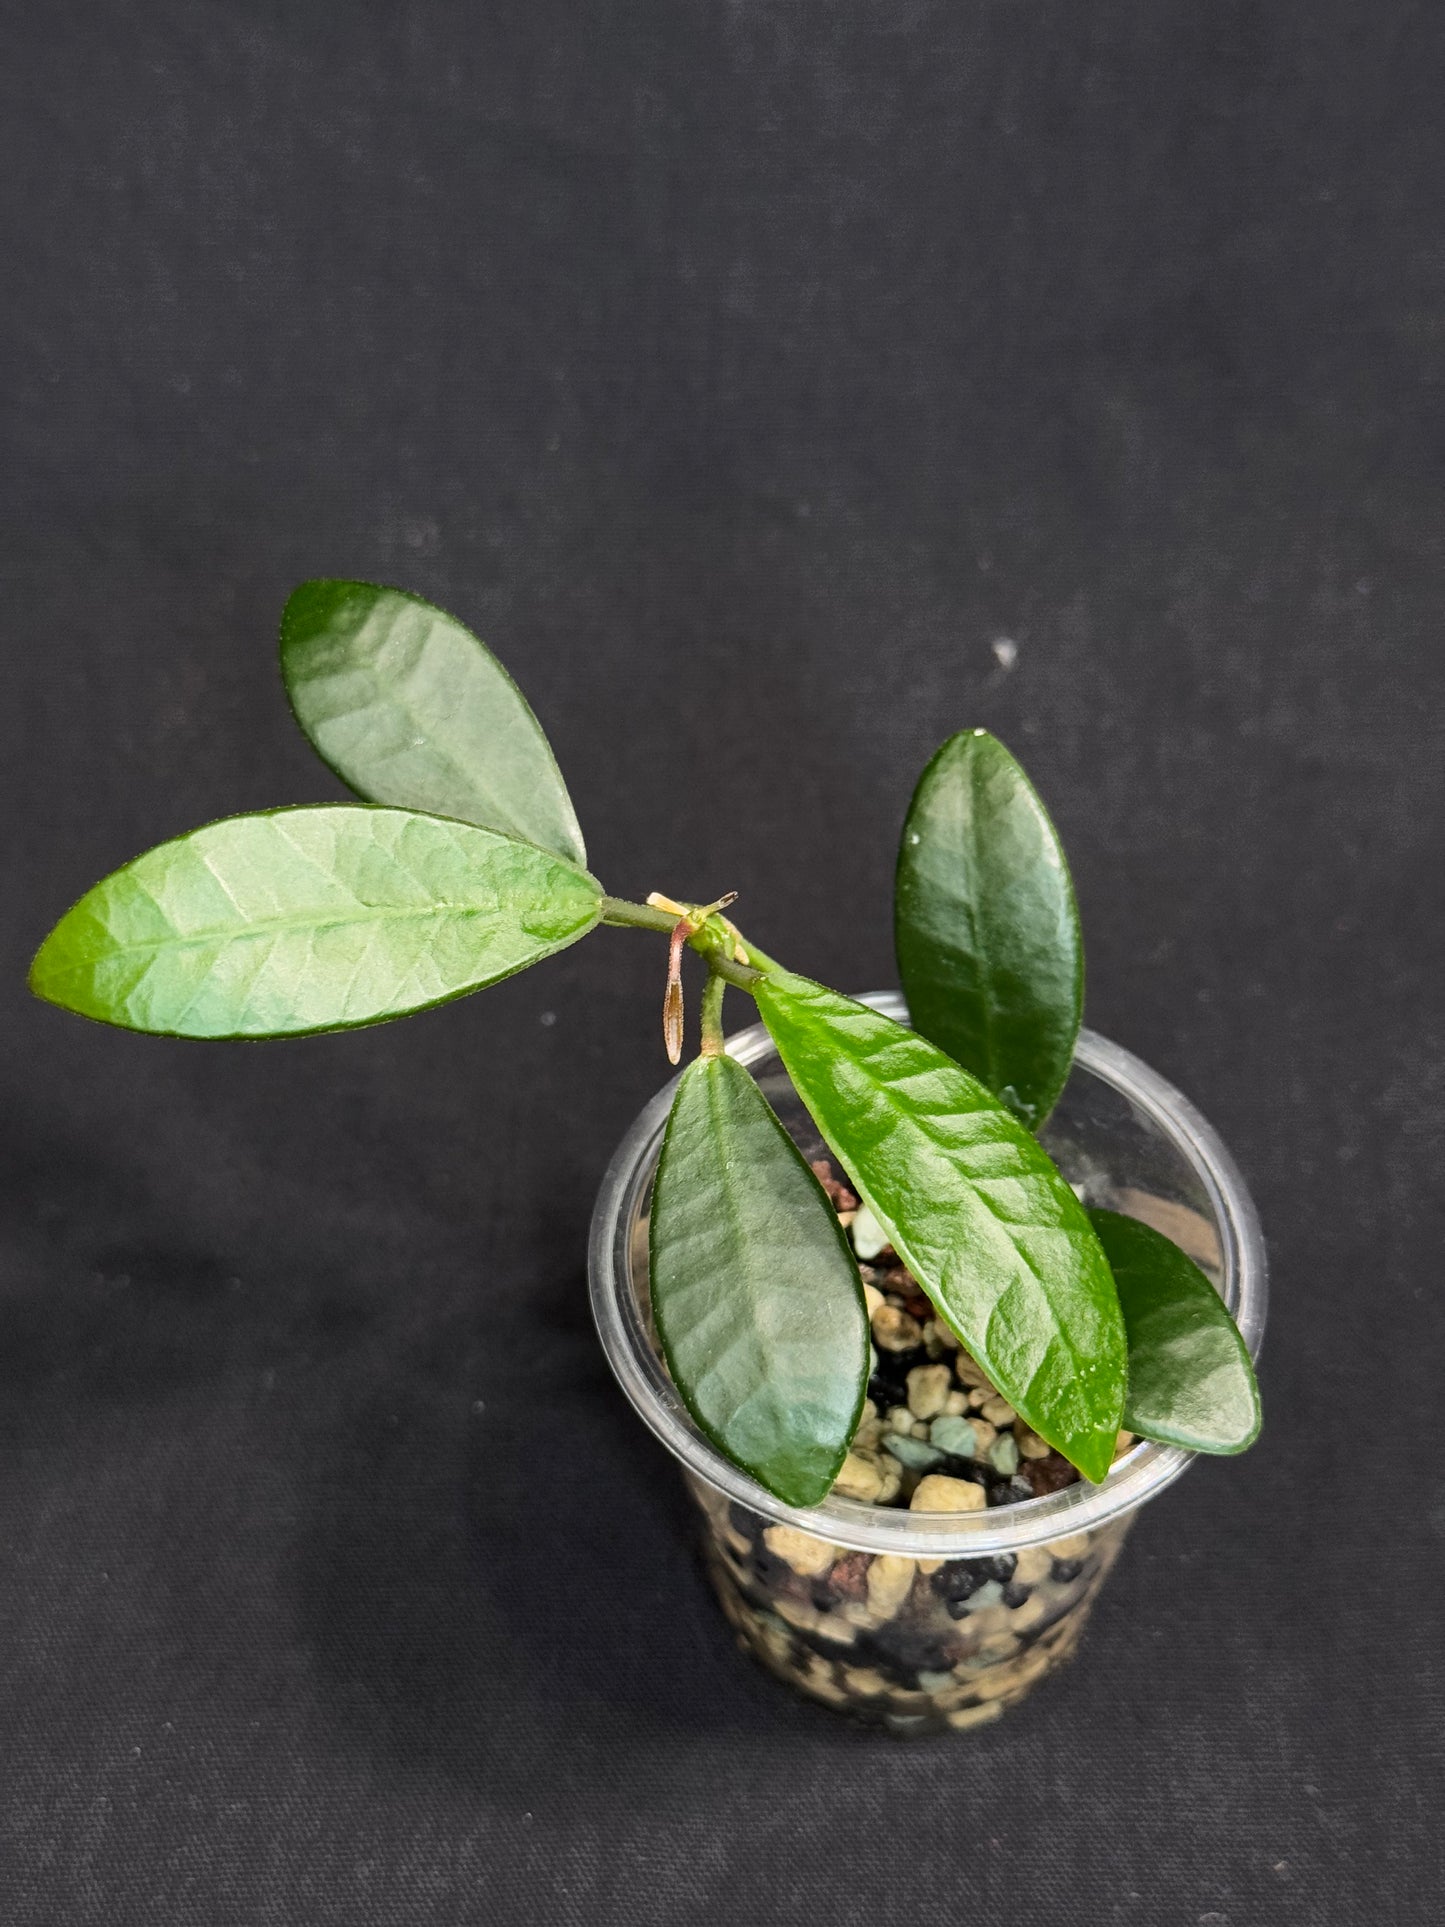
[[906, 1111], [384, 694], [380, 699], [265, 926], [966, 896], [718, 1100], [977, 778]]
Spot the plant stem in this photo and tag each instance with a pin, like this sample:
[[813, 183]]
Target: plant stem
[[712, 1004], [636, 916], [711, 940]]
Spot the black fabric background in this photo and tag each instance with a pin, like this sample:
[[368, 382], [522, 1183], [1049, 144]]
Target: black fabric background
[[742, 370]]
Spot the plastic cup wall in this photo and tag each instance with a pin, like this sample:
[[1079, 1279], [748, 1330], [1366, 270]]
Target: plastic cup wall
[[928, 1622]]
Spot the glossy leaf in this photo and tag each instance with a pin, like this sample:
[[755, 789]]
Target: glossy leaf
[[1191, 1382], [990, 953], [408, 707], [309, 919], [758, 1302], [973, 1206]]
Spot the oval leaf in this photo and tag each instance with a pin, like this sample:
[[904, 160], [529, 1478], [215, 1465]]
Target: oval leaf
[[758, 1302], [1191, 1382], [309, 919], [987, 931], [408, 707], [973, 1206]]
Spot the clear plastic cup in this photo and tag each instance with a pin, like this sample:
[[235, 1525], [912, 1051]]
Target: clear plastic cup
[[928, 1622]]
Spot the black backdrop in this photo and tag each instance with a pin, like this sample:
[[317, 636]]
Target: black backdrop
[[744, 370]]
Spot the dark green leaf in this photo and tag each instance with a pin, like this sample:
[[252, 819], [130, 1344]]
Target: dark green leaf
[[972, 1205], [989, 948], [408, 707], [757, 1299], [1191, 1382], [309, 919]]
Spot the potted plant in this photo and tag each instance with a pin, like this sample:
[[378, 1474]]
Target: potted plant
[[925, 1329]]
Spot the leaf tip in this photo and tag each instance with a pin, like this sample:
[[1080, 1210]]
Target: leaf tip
[[35, 976], [305, 606], [803, 1489], [40, 977], [1095, 1455]]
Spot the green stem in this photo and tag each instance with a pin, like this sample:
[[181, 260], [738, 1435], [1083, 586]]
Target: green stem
[[711, 941], [760, 959], [712, 1004], [635, 916]]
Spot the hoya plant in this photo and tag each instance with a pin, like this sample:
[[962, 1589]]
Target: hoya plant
[[464, 863]]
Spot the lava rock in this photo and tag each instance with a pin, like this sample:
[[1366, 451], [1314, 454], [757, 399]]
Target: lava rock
[[960, 1578], [966, 1469], [1048, 1475], [773, 1574], [839, 1196], [913, 1648], [846, 1580], [743, 1521]]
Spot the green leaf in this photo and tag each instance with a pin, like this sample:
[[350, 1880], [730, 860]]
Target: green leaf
[[408, 707], [990, 952], [1191, 1382], [758, 1302], [309, 919], [973, 1206]]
